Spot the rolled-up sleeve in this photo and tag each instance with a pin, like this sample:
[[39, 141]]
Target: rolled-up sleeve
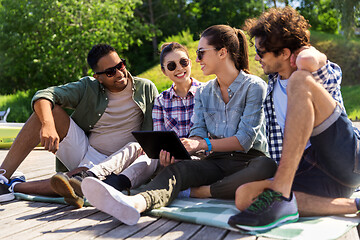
[[253, 115]]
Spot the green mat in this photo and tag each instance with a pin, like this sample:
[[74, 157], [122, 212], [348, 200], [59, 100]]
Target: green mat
[[214, 212]]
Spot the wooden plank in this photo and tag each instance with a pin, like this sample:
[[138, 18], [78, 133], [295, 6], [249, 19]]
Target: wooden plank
[[32, 223], [182, 231], [96, 230], [156, 230], [52, 223], [235, 235], [208, 232], [124, 231], [69, 230], [24, 213]]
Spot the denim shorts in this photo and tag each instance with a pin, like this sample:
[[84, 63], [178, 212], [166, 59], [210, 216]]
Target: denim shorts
[[330, 166]]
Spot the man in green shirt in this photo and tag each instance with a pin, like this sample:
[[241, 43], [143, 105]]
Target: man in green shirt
[[107, 108]]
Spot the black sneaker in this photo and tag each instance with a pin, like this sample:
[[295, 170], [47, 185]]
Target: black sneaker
[[60, 183], [269, 210], [5, 191]]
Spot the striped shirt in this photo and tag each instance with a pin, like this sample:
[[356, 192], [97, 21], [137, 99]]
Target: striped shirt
[[173, 113]]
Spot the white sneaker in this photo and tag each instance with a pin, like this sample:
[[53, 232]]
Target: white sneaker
[[109, 200], [5, 191]]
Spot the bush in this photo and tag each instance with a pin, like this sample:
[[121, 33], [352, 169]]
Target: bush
[[346, 53]]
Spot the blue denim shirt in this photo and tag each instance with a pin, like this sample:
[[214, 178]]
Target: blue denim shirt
[[242, 117]]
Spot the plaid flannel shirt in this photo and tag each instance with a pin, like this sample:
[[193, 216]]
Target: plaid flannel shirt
[[173, 113], [329, 76]]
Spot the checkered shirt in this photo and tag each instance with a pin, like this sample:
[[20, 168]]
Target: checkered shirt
[[173, 113], [329, 76]]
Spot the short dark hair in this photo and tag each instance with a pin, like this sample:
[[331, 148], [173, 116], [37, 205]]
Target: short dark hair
[[98, 51], [166, 48], [280, 28], [234, 40]]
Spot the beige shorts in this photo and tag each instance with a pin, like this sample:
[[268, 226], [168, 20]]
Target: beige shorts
[[75, 150]]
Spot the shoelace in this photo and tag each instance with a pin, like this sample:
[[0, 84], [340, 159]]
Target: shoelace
[[3, 180], [264, 200]]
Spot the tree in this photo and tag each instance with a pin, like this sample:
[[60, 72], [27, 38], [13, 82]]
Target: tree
[[321, 14], [45, 42], [348, 9]]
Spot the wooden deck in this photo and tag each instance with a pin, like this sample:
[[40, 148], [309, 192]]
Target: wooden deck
[[36, 220]]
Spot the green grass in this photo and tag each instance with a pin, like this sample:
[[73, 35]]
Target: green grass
[[351, 98]]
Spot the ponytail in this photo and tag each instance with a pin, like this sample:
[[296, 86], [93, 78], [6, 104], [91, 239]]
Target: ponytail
[[234, 40], [243, 53]]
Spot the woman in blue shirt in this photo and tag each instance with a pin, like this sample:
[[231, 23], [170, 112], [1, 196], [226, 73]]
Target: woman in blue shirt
[[228, 124]]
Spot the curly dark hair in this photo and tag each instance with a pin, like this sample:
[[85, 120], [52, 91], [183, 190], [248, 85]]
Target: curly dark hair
[[279, 28]]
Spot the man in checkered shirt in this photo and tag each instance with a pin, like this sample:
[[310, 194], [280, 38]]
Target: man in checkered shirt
[[308, 131]]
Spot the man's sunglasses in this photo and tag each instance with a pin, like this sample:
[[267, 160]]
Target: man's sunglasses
[[110, 72], [260, 53], [184, 62], [200, 52]]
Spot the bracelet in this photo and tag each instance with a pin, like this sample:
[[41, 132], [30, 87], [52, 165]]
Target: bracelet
[[208, 144]]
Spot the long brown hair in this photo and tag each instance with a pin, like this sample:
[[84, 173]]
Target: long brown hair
[[234, 40]]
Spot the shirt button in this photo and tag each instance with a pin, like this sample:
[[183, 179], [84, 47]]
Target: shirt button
[[89, 126], [228, 90], [99, 114], [105, 98]]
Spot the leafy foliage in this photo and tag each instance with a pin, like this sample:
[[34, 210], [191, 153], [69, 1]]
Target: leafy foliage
[[349, 11], [321, 14], [45, 42]]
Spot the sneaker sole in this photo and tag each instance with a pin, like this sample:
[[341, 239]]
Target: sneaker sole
[[60, 184], [286, 219], [7, 197], [109, 200], [76, 185]]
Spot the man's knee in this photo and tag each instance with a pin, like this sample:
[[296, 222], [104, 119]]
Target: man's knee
[[300, 81]]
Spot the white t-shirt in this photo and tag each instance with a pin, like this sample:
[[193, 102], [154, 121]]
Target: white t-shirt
[[280, 103]]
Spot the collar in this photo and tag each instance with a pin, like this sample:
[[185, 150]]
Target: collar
[[192, 90]]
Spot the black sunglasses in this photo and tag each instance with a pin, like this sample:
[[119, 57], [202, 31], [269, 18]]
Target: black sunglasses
[[171, 66], [200, 52], [110, 72], [260, 53]]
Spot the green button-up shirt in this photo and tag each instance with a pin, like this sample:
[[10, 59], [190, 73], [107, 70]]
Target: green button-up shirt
[[89, 100]]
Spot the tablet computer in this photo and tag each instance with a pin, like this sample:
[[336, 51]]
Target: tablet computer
[[153, 141]]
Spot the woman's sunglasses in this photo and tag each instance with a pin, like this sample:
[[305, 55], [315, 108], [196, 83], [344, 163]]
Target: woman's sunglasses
[[171, 66], [200, 52], [110, 72]]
